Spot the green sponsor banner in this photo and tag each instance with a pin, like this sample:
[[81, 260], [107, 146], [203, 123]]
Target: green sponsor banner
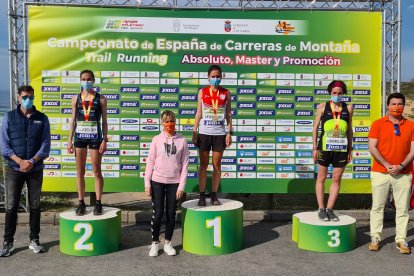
[[276, 66]]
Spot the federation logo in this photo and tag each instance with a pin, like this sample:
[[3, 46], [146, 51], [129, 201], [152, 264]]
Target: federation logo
[[284, 27], [227, 26]]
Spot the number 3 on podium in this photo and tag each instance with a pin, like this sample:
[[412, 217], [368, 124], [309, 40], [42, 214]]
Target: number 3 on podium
[[80, 243], [335, 240], [216, 224]]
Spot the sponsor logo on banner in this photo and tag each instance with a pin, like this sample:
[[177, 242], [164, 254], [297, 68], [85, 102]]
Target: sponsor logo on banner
[[169, 89], [129, 153], [112, 110], [149, 111], [228, 168], [190, 98], [246, 146], [193, 160], [285, 91], [129, 104], [266, 146], [358, 161], [304, 175], [149, 128], [361, 92], [246, 90], [303, 153], [69, 173], [267, 153], [192, 174], [52, 167], [362, 175], [130, 127], [347, 176], [285, 139], [265, 112], [50, 88], [266, 129], [303, 129], [284, 129], [168, 104], [228, 160], [361, 154], [303, 112], [111, 97], [246, 153], [66, 110], [361, 168], [304, 146], [266, 122], [113, 120], [144, 145], [110, 167], [187, 111], [285, 146], [282, 168], [304, 98], [361, 129], [111, 152], [246, 105], [285, 175], [68, 159], [110, 159], [285, 161], [50, 103], [55, 152], [321, 92], [110, 174], [132, 167], [285, 153], [246, 139], [360, 146], [55, 137], [265, 98], [149, 97], [55, 144], [303, 139], [246, 175], [129, 89], [53, 159], [129, 138], [195, 153], [132, 121], [246, 128], [266, 175], [228, 175], [266, 161], [246, 160], [360, 139], [305, 161], [361, 106], [304, 168], [282, 122], [113, 127], [285, 106], [304, 122], [51, 173]]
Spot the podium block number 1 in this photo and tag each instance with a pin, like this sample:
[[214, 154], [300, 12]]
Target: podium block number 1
[[80, 243], [216, 224]]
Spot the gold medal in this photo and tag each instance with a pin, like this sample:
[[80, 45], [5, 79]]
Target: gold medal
[[215, 117], [336, 116], [336, 133], [214, 104]]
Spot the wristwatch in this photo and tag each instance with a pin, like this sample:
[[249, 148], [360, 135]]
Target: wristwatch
[[32, 161], [402, 166], [230, 132], [105, 139]]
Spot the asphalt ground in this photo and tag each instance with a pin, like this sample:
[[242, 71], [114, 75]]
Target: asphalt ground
[[268, 250]]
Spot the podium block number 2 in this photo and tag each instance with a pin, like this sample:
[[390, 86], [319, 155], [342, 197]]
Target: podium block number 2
[[216, 224], [335, 240], [80, 243]]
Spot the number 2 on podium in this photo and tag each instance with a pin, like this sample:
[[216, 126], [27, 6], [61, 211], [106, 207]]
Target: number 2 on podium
[[80, 243], [216, 224]]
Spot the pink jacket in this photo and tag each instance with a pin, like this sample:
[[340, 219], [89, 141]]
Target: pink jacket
[[167, 160]]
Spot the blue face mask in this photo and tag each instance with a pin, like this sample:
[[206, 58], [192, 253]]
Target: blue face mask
[[336, 99], [87, 85], [27, 104], [215, 81]]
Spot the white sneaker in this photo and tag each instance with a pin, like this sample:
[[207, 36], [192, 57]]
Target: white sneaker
[[169, 249], [154, 249]]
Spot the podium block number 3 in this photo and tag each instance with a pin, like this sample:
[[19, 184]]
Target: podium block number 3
[[80, 243], [216, 224], [335, 240]]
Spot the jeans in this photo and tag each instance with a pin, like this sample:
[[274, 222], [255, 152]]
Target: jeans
[[163, 193], [14, 185]]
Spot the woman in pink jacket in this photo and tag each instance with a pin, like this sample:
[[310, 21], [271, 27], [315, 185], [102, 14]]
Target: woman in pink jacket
[[165, 179]]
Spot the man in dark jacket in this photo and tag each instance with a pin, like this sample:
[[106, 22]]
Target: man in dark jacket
[[25, 143]]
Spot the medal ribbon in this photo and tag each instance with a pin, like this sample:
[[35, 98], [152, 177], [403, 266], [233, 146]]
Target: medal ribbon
[[88, 111], [214, 100], [336, 115]]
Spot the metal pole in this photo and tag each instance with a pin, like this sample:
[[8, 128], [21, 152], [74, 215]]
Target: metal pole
[[399, 25]]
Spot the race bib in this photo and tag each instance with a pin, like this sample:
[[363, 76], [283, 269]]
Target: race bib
[[87, 130], [336, 144], [208, 114]]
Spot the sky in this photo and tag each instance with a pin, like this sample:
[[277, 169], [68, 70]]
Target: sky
[[407, 43]]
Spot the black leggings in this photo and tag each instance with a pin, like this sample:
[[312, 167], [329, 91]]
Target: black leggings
[[163, 193]]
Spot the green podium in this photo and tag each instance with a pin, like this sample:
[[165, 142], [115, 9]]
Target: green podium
[[90, 235], [212, 230], [332, 237]]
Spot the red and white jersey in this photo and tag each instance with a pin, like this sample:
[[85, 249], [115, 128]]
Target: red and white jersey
[[213, 105]]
